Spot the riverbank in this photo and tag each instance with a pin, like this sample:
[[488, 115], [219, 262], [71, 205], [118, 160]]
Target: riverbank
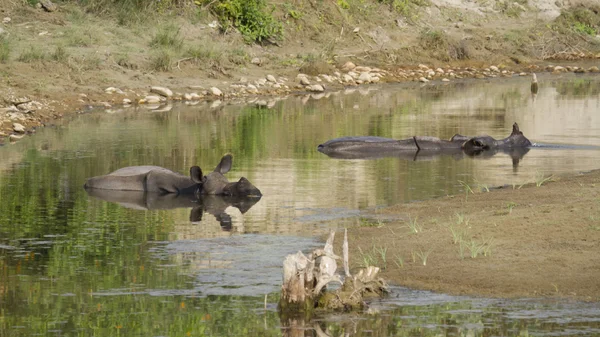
[[536, 240], [60, 62]]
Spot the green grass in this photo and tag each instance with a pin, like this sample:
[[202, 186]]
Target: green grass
[[368, 258], [33, 54], [81, 37], [423, 255], [510, 206], [4, 50], [414, 225], [475, 248], [541, 179], [467, 188], [162, 60], [60, 54], [168, 37], [376, 256], [399, 261], [365, 222], [207, 54]]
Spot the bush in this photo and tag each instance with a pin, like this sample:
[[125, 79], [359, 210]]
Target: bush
[[251, 17], [581, 20]]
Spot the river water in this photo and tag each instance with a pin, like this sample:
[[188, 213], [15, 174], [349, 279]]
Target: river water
[[75, 264]]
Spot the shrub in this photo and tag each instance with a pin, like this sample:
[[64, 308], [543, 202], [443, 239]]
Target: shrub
[[251, 17]]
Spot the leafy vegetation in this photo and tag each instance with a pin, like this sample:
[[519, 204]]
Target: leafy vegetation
[[162, 61], [253, 18], [167, 37], [33, 54], [580, 19]]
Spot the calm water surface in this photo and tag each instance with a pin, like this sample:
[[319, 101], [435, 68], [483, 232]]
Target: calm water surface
[[74, 264]]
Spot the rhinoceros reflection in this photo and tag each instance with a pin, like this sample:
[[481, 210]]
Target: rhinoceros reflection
[[212, 204]]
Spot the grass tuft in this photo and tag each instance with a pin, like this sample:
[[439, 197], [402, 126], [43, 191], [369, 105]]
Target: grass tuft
[[161, 61], [60, 54], [541, 179], [314, 65], [33, 54], [4, 50], [167, 37], [414, 226]]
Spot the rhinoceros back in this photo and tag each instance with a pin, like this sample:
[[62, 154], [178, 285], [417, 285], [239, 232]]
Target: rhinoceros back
[[136, 170]]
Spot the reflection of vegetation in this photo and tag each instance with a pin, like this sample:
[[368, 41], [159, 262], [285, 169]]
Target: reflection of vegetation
[[578, 88]]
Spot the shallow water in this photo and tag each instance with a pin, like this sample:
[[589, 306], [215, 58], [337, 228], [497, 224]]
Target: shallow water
[[75, 264]]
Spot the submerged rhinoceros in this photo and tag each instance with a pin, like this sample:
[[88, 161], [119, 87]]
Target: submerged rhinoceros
[[161, 180], [368, 146]]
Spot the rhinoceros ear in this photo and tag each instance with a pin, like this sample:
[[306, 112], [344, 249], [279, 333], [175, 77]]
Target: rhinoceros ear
[[515, 130], [225, 164], [196, 174]]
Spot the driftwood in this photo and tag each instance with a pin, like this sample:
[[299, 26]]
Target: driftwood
[[305, 280]]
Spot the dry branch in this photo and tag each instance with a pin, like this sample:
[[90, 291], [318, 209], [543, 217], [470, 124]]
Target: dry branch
[[305, 277]]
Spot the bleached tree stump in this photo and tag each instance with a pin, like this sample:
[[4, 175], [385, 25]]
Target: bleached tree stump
[[305, 278]]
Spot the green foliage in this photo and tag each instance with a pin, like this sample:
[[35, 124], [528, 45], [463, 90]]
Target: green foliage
[[433, 39], [162, 61], [582, 28], [343, 4], [167, 37], [580, 20], [33, 54], [4, 50], [251, 17], [60, 54]]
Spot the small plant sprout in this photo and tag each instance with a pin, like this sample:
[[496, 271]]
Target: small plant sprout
[[461, 249], [399, 261], [367, 258], [541, 179], [467, 188], [457, 234], [483, 187], [423, 256], [510, 206], [474, 248], [382, 251], [414, 226]]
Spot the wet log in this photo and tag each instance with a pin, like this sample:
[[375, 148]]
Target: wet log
[[306, 277]]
